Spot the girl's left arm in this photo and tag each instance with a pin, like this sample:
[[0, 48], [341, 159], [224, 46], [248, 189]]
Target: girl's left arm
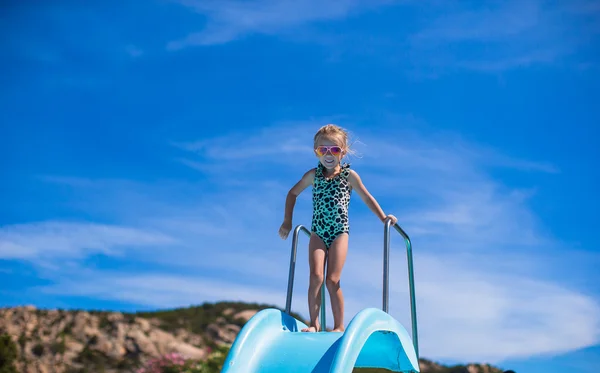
[[357, 184]]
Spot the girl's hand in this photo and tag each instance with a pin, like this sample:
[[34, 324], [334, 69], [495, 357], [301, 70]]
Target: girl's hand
[[285, 229], [392, 218]]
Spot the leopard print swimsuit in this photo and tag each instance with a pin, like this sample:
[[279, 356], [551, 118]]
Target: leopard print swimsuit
[[331, 198]]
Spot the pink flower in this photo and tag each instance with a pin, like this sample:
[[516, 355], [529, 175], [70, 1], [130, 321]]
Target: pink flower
[[156, 365]]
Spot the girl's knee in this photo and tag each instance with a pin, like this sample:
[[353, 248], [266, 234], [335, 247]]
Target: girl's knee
[[332, 282], [316, 277]]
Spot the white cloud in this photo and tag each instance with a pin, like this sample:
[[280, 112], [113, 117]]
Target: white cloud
[[485, 266], [229, 20], [271, 144], [485, 23], [134, 51], [160, 290], [57, 240], [498, 36], [442, 36]]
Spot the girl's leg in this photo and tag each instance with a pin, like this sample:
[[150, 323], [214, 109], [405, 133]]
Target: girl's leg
[[335, 262], [316, 261]]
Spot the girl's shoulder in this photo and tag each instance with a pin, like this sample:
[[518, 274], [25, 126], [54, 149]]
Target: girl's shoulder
[[311, 173]]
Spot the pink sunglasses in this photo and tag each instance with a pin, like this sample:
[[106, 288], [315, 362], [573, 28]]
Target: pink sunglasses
[[323, 149]]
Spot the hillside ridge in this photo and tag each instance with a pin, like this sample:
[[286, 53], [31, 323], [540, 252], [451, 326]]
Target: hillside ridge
[[86, 341]]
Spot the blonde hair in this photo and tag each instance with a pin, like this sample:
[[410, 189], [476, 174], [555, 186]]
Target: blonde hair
[[334, 132]]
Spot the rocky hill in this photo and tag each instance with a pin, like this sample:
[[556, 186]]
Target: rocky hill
[[75, 341]]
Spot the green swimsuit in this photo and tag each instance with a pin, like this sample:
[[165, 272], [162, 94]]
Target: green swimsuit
[[331, 198]]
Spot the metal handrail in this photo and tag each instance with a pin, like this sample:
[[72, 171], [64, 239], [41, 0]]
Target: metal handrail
[[288, 302], [411, 279], [386, 277]]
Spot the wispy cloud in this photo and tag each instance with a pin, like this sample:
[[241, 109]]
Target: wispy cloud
[[238, 147], [496, 36], [482, 256], [158, 290], [59, 240], [229, 20], [134, 51], [485, 23], [488, 37]]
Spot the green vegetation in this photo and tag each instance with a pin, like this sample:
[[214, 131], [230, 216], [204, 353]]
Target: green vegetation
[[38, 349], [22, 340], [93, 360], [175, 363], [104, 322], [8, 354], [58, 347], [195, 319], [68, 328]]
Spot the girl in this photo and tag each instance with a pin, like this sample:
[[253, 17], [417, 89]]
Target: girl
[[332, 184]]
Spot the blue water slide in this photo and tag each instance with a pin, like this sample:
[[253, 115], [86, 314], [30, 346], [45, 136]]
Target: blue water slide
[[271, 341]]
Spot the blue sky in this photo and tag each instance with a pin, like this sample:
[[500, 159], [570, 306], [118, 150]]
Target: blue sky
[[147, 148]]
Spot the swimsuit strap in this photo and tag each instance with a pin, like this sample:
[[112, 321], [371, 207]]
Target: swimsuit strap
[[319, 171], [345, 172]]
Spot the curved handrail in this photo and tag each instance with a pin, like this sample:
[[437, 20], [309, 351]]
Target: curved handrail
[[386, 277], [288, 302], [411, 279]]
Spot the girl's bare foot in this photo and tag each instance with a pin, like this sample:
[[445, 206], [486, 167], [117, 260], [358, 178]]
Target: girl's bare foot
[[310, 329], [339, 330]]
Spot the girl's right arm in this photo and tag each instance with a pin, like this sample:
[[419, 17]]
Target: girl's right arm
[[290, 201]]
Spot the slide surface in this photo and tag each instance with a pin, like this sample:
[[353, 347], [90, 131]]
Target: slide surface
[[271, 341]]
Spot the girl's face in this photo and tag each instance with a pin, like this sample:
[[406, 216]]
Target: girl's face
[[329, 152]]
